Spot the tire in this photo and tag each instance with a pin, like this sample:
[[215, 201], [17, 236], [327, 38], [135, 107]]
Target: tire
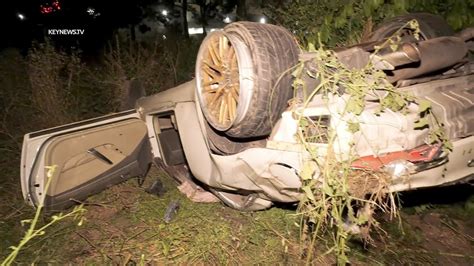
[[431, 26], [243, 77], [222, 144]]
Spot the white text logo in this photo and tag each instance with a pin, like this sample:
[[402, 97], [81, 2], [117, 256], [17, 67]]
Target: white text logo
[[66, 31]]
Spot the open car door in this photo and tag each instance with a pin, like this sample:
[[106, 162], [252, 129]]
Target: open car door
[[88, 156]]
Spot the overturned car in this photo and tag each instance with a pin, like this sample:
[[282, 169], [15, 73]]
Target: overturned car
[[232, 130]]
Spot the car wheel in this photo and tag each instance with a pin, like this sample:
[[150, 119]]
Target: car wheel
[[243, 78], [431, 26], [222, 144]]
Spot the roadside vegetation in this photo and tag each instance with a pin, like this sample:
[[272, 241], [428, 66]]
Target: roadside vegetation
[[125, 225], [341, 22]]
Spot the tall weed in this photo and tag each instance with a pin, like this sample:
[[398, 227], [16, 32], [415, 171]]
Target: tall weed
[[154, 66], [52, 74], [18, 112]]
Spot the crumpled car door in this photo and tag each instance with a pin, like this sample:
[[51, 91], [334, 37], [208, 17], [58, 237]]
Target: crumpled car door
[[87, 156]]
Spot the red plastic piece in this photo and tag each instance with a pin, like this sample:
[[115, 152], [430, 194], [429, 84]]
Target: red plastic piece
[[424, 153]]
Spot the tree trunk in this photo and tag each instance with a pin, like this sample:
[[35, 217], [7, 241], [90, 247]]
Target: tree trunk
[[184, 12], [203, 18], [241, 10]]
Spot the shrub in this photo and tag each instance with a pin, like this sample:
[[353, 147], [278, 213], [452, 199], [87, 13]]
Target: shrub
[[15, 100], [155, 66], [52, 74], [345, 21]]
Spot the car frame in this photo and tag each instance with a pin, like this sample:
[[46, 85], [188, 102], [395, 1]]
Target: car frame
[[171, 130]]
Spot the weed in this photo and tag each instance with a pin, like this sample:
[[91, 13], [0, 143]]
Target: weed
[[34, 232], [154, 66], [52, 75], [469, 206], [338, 199]]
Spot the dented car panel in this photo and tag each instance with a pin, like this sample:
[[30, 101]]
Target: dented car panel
[[271, 172], [248, 170], [456, 170], [172, 129]]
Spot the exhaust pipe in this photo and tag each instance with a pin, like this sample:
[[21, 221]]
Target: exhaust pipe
[[466, 34], [425, 57], [406, 54], [411, 60]]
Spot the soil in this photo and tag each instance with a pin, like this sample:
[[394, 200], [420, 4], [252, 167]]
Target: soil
[[447, 239]]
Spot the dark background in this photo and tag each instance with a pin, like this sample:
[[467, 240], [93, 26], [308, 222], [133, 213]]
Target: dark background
[[72, 14], [100, 26]]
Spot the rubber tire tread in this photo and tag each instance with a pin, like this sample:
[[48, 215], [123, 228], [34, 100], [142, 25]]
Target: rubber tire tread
[[431, 26], [222, 144], [274, 51]]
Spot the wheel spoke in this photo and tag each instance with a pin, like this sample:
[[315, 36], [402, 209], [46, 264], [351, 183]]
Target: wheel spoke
[[217, 93], [220, 80], [213, 82], [214, 67], [236, 89], [234, 107], [231, 107], [213, 54], [210, 72], [226, 47], [221, 111], [209, 89], [226, 111]]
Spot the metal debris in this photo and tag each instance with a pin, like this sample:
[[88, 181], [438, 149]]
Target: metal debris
[[171, 211]]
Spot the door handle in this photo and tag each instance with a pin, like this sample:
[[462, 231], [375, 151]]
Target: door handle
[[99, 156]]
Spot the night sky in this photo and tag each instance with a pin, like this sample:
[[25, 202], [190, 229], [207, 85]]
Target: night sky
[[27, 20]]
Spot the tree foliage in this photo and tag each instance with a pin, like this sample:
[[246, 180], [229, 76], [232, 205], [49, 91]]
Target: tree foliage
[[345, 21]]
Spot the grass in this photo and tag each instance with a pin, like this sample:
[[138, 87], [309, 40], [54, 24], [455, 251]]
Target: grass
[[124, 224], [35, 231], [199, 233]]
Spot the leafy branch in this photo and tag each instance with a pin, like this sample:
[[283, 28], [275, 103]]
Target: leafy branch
[[34, 232], [339, 200]]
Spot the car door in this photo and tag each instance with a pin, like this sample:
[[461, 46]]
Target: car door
[[87, 156]]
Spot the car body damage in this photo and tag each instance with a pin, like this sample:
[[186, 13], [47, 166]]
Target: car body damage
[[249, 159], [271, 172], [250, 170]]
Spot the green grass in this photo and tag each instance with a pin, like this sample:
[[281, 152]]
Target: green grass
[[201, 233], [125, 224]]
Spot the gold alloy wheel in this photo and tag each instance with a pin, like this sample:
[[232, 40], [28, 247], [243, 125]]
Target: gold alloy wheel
[[239, 83], [220, 85]]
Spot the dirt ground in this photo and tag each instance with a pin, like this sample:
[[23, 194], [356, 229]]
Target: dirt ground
[[125, 225]]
